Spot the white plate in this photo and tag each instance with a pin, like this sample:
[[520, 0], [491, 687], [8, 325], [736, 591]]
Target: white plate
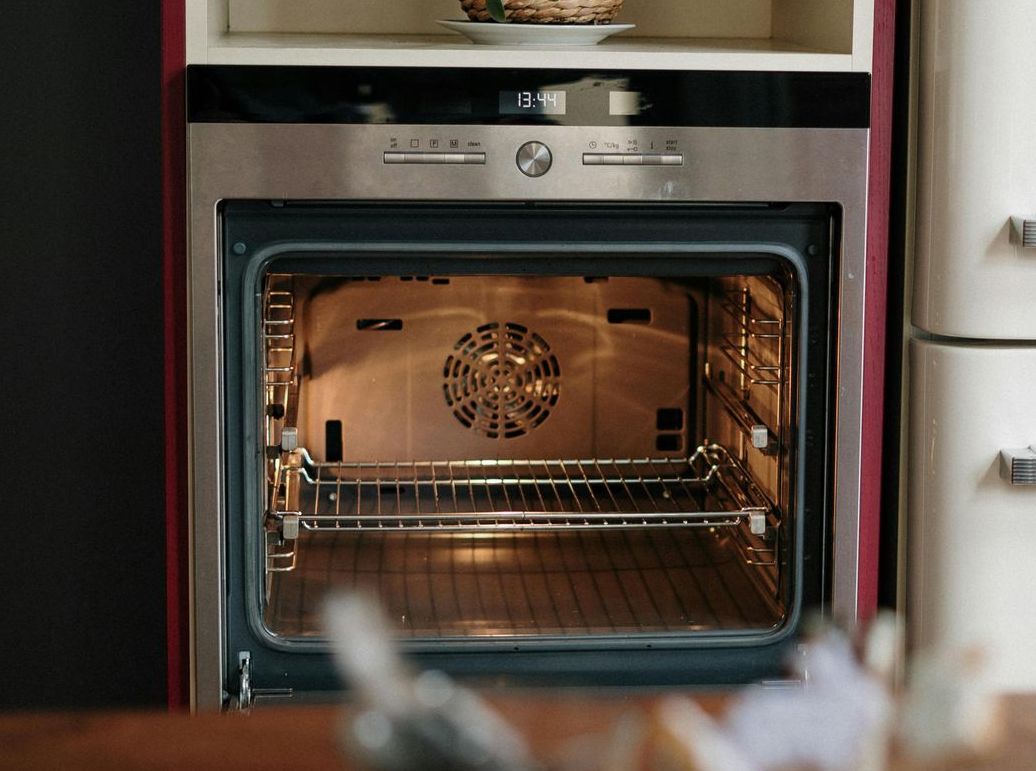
[[492, 33]]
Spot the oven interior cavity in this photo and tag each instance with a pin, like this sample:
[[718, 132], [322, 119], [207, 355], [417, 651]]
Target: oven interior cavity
[[528, 456]]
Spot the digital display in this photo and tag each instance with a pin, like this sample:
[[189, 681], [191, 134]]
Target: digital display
[[532, 102]]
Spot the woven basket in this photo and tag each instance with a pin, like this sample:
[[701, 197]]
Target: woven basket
[[548, 11]]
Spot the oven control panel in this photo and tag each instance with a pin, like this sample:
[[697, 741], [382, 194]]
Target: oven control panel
[[534, 158]]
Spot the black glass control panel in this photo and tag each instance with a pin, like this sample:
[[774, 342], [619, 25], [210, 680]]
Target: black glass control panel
[[389, 95]]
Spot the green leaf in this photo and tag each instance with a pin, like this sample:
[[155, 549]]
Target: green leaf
[[496, 10]]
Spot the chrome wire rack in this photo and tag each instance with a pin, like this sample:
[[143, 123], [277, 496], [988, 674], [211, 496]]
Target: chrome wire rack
[[279, 376], [709, 489], [606, 581], [755, 346]]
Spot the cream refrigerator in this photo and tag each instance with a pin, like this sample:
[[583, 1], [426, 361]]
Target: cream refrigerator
[[971, 553]]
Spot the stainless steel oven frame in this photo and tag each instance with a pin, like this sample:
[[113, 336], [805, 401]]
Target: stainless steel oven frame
[[345, 162]]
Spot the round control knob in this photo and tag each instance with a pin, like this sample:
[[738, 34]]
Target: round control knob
[[534, 159]]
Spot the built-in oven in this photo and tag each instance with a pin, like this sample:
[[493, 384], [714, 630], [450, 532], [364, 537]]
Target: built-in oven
[[563, 368]]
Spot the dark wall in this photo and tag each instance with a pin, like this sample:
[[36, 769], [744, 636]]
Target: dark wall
[[82, 549], [889, 567]]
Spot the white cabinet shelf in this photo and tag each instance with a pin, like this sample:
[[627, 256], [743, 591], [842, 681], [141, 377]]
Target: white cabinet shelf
[[827, 35], [451, 51]]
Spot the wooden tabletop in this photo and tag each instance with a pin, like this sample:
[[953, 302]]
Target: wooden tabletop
[[266, 738], [305, 736]]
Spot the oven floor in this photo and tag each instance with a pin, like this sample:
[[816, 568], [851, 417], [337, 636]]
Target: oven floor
[[534, 583]]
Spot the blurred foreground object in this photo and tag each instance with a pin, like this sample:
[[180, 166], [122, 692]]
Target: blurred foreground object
[[409, 722], [834, 714], [947, 713], [836, 720], [841, 715]]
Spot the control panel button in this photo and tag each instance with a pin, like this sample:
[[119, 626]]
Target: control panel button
[[633, 159], [534, 159], [452, 158], [424, 158]]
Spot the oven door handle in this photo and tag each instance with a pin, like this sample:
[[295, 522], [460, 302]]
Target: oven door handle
[[1019, 466], [1023, 231]]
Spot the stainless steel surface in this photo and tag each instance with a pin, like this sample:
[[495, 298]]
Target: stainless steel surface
[[276, 161], [1023, 231], [1019, 466], [533, 159]]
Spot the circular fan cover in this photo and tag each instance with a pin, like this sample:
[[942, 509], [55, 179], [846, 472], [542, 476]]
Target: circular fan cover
[[502, 381]]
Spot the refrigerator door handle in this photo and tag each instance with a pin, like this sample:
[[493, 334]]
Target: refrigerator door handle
[[1019, 466], [1023, 231]]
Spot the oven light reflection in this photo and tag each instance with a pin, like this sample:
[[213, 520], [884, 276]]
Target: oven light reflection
[[487, 554]]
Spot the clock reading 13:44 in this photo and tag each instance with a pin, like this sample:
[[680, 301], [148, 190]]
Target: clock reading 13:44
[[532, 102]]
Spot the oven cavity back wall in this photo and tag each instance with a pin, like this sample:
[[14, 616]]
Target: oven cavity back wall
[[508, 367]]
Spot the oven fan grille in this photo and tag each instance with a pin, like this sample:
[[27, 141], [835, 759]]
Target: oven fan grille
[[502, 380]]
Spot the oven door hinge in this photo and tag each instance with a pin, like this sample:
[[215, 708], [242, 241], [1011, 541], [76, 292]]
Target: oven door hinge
[[243, 701], [247, 695]]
